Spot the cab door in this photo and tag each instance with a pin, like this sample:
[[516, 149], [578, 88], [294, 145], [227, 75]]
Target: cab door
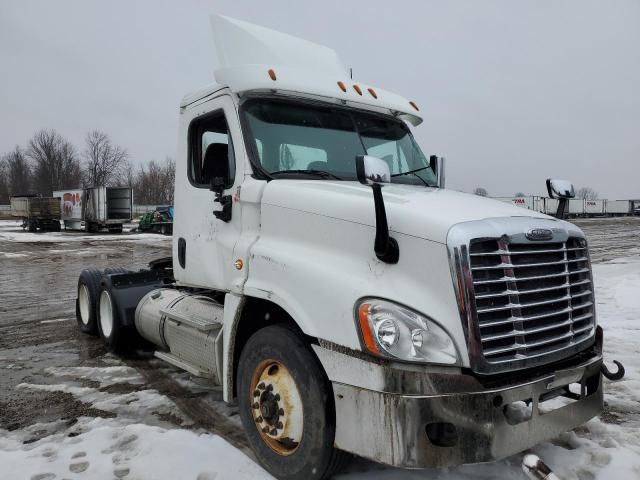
[[207, 223]]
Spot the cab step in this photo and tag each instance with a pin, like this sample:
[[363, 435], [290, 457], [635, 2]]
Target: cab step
[[178, 362]]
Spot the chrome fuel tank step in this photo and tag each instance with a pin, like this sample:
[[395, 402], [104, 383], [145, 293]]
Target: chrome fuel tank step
[[187, 326]]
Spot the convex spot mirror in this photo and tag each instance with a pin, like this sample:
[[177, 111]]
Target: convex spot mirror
[[371, 170], [560, 188]]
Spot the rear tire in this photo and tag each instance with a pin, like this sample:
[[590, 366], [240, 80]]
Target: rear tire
[[115, 335], [298, 441], [87, 298]]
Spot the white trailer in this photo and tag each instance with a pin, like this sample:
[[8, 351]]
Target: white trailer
[[107, 207], [618, 207], [531, 202], [71, 202], [594, 208], [576, 207]]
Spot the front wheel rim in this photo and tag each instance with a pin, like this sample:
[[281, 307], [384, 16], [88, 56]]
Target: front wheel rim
[[106, 314], [84, 303], [276, 407]]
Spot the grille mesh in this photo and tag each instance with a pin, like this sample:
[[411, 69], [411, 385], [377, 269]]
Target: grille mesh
[[531, 299]]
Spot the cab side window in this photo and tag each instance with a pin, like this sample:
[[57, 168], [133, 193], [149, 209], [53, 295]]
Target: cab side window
[[211, 152]]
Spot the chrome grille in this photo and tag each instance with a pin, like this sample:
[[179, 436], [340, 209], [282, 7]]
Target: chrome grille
[[530, 299]]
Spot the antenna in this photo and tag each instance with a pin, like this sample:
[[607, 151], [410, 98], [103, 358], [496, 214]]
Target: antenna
[[351, 73]]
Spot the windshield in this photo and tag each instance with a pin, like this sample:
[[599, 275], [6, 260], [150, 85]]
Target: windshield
[[294, 139]]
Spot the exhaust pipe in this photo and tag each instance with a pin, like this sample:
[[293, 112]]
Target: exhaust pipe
[[613, 376], [536, 469]]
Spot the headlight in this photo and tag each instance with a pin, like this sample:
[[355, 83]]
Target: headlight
[[393, 331]]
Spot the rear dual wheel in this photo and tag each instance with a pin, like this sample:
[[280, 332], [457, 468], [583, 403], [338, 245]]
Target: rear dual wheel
[[88, 294], [286, 406]]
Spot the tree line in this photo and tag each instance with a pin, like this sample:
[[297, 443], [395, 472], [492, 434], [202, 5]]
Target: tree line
[[49, 162]]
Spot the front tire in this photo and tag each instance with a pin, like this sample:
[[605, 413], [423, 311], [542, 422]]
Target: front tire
[[286, 406]]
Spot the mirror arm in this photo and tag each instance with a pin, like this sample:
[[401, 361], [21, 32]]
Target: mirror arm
[[561, 213], [385, 247]]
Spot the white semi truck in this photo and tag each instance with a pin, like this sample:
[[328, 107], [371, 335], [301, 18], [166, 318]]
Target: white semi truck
[[348, 302]]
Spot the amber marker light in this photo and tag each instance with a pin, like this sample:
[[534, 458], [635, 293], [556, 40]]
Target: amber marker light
[[342, 86], [357, 89], [239, 264], [365, 328], [272, 74], [372, 92], [413, 104]]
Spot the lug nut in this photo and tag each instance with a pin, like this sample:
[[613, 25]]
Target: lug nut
[[265, 429], [277, 397], [273, 432], [269, 388], [279, 425], [261, 385], [259, 420], [256, 405], [281, 412], [256, 393]]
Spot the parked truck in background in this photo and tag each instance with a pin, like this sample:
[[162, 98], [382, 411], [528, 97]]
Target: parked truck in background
[[71, 202], [96, 208], [348, 302], [36, 212], [159, 220]]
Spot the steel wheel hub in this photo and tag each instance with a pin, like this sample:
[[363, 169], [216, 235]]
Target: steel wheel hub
[[276, 407]]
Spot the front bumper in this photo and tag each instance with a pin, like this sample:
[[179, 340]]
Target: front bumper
[[446, 429]]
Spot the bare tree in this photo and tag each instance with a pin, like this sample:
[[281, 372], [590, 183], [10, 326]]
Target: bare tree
[[587, 193], [4, 182], [480, 191], [18, 172], [153, 183], [55, 163], [518, 194], [104, 163]]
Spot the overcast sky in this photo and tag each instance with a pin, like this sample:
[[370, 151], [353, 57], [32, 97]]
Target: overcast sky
[[512, 91]]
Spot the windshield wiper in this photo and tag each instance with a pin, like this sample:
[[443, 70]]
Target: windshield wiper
[[317, 173], [414, 172]]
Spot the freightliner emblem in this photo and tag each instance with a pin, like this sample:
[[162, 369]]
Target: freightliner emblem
[[538, 234]]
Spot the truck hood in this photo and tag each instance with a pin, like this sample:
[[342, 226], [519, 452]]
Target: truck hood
[[418, 211]]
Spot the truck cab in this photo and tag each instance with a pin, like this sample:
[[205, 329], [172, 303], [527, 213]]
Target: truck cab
[[347, 301]]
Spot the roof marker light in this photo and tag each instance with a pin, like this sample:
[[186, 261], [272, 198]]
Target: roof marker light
[[272, 74], [413, 104], [357, 89], [372, 92], [342, 86]]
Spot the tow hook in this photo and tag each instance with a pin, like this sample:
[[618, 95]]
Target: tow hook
[[536, 469], [613, 376]]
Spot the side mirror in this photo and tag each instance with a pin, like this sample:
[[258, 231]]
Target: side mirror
[[560, 188], [437, 166], [374, 172], [371, 170]]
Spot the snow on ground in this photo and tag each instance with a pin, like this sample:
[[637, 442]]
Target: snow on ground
[[109, 448], [11, 231], [138, 444]]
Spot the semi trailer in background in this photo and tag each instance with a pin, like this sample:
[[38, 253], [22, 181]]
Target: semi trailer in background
[[577, 207], [36, 212], [96, 208]]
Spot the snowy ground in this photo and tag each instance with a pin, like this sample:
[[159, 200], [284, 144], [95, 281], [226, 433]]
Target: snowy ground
[[123, 425]]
